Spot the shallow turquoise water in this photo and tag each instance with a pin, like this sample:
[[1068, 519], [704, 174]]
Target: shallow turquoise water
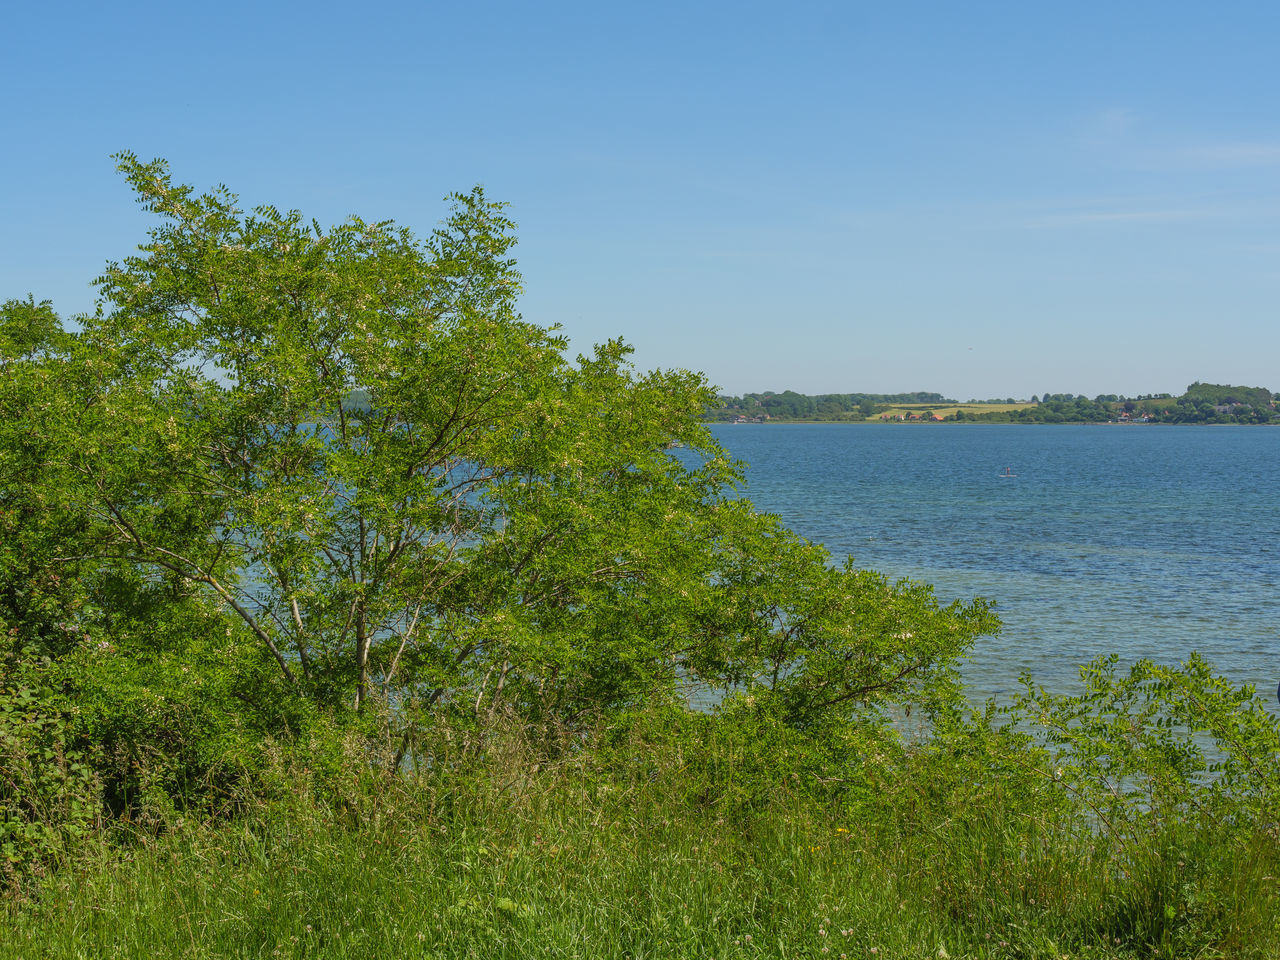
[[1146, 541]]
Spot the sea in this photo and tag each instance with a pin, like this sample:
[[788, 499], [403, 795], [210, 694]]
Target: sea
[[1146, 541]]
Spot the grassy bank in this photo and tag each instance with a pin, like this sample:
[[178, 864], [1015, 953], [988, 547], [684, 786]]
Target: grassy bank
[[684, 851]]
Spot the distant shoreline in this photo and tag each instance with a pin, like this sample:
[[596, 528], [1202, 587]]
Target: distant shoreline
[[977, 423], [1202, 403], [974, 423]]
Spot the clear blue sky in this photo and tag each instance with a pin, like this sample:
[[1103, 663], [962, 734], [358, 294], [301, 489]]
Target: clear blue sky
[[983, 199]]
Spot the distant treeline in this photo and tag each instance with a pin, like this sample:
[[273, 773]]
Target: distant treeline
[[1201, 403], [790, 405]]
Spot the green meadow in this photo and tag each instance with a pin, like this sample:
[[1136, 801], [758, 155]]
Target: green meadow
[[671, 839]]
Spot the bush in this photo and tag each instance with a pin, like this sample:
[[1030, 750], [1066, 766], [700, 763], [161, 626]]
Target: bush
[[49, 796]]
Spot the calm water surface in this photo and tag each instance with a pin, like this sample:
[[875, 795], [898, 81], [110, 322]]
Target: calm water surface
[[1146, 541]]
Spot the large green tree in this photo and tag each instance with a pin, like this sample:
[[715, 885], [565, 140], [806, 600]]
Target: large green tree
[[347, 448]]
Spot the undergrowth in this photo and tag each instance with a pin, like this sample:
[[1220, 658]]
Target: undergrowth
[[665, 834]]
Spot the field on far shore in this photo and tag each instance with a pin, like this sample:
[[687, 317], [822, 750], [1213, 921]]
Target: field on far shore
[[925, 410]]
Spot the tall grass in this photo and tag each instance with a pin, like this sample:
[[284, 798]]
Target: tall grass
[[646, 846]]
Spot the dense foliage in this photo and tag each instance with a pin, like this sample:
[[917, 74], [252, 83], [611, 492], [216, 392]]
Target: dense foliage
[[288, 473], [1080, 827]]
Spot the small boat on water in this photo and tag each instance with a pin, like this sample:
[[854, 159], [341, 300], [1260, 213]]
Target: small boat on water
[[1008, 474]]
